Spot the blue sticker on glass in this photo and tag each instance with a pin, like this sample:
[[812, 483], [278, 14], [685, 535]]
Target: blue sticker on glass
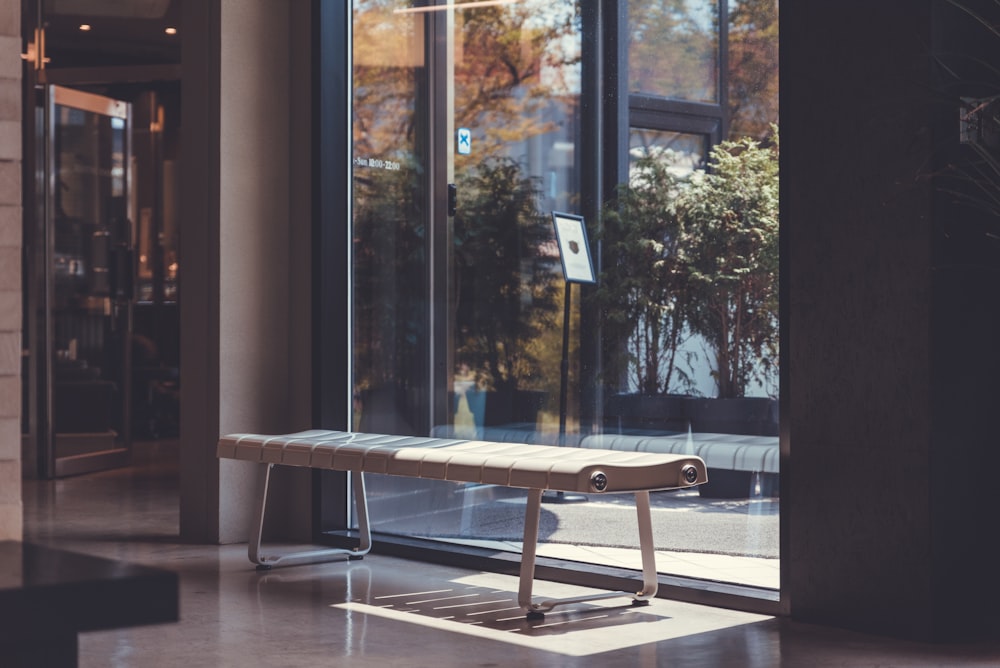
[[464, 141]]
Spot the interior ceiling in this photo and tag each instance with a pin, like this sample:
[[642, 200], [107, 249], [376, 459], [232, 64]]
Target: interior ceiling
[[122, 32], [138, 9]]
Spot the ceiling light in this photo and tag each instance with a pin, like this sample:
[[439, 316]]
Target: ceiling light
[[170, 31], [454, 5], [84, 27]]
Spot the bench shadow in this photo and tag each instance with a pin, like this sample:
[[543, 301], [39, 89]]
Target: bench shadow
[[568, 619], [446, 602]]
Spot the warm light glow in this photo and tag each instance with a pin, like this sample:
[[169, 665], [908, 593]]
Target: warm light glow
[[454, 5], [170, 31], [84, 27]]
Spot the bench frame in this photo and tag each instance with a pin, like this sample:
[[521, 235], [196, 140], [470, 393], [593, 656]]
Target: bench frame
[[293, 558], [532, 519]]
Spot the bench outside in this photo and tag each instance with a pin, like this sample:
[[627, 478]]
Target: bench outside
[[732, 459], [536, 468]]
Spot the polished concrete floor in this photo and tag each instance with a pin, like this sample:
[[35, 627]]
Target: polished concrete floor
[[384, 611]]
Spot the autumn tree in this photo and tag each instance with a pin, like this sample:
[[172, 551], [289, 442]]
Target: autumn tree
[[753, 67], [673, 49]]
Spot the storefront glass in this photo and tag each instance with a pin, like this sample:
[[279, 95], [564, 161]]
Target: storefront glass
[[466, 138]]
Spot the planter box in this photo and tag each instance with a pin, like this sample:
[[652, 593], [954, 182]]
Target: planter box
[[639, 413], [516, 407], [751, 416], [676, 413]]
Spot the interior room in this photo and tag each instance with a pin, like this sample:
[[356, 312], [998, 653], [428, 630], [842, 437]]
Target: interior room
[[502, 226]]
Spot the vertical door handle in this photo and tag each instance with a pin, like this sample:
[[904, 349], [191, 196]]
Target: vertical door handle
[[452, 199]]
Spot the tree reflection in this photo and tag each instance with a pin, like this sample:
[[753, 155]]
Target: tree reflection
[[753, 67], [514, 72], [673, 49]]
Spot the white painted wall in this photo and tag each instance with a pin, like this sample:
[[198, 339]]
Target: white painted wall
[[245, 268]]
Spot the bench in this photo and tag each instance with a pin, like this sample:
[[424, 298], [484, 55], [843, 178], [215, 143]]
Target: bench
[[536, 468]]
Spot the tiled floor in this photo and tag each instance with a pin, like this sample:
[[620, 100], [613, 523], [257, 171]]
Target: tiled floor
[[384, 611]]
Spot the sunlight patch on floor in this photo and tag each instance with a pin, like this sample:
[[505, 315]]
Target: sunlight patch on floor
[[485, 606]]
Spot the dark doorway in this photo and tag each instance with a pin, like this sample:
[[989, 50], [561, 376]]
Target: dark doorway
[[101, 271]]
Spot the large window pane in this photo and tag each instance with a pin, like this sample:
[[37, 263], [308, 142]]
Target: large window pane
[[458, 305], [484, 100], [689, 310]]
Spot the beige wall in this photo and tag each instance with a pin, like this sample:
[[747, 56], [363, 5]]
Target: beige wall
[[258, 301], [245, 298], [10, 271]]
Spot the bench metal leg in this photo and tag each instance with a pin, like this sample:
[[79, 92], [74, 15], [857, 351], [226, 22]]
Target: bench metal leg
[[532, 516], [648, 550], [307, 556]]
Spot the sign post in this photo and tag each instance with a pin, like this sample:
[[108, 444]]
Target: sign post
[[578, 267]]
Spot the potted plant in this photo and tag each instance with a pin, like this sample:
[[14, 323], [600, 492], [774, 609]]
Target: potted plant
[[694, 259], [731, 214], [643, 298], [505, 288]]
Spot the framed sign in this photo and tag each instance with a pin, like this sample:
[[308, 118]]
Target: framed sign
[[574, 251]]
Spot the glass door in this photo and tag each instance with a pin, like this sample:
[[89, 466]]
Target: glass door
[[512, 112], [85, 296], [464, 129]]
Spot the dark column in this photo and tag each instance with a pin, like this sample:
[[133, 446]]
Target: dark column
[[331, 252], [887, 391], [199, 250]]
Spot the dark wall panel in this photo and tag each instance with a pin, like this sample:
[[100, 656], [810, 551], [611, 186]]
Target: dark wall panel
[[871, 361]]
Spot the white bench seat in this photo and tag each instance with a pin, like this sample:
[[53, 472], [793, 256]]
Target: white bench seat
[[508, 464], [536, 468]]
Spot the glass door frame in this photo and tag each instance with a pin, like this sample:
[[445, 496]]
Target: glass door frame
[[42, 406], [440, 59]]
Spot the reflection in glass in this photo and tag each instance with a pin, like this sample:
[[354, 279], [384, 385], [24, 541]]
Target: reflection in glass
[[510, 75], [753, 68], [673, 49], [516, 88], [681, 152], [457, 327], [389, 224]]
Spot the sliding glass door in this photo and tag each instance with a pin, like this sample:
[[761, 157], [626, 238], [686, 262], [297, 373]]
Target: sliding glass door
[[465, 124]]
